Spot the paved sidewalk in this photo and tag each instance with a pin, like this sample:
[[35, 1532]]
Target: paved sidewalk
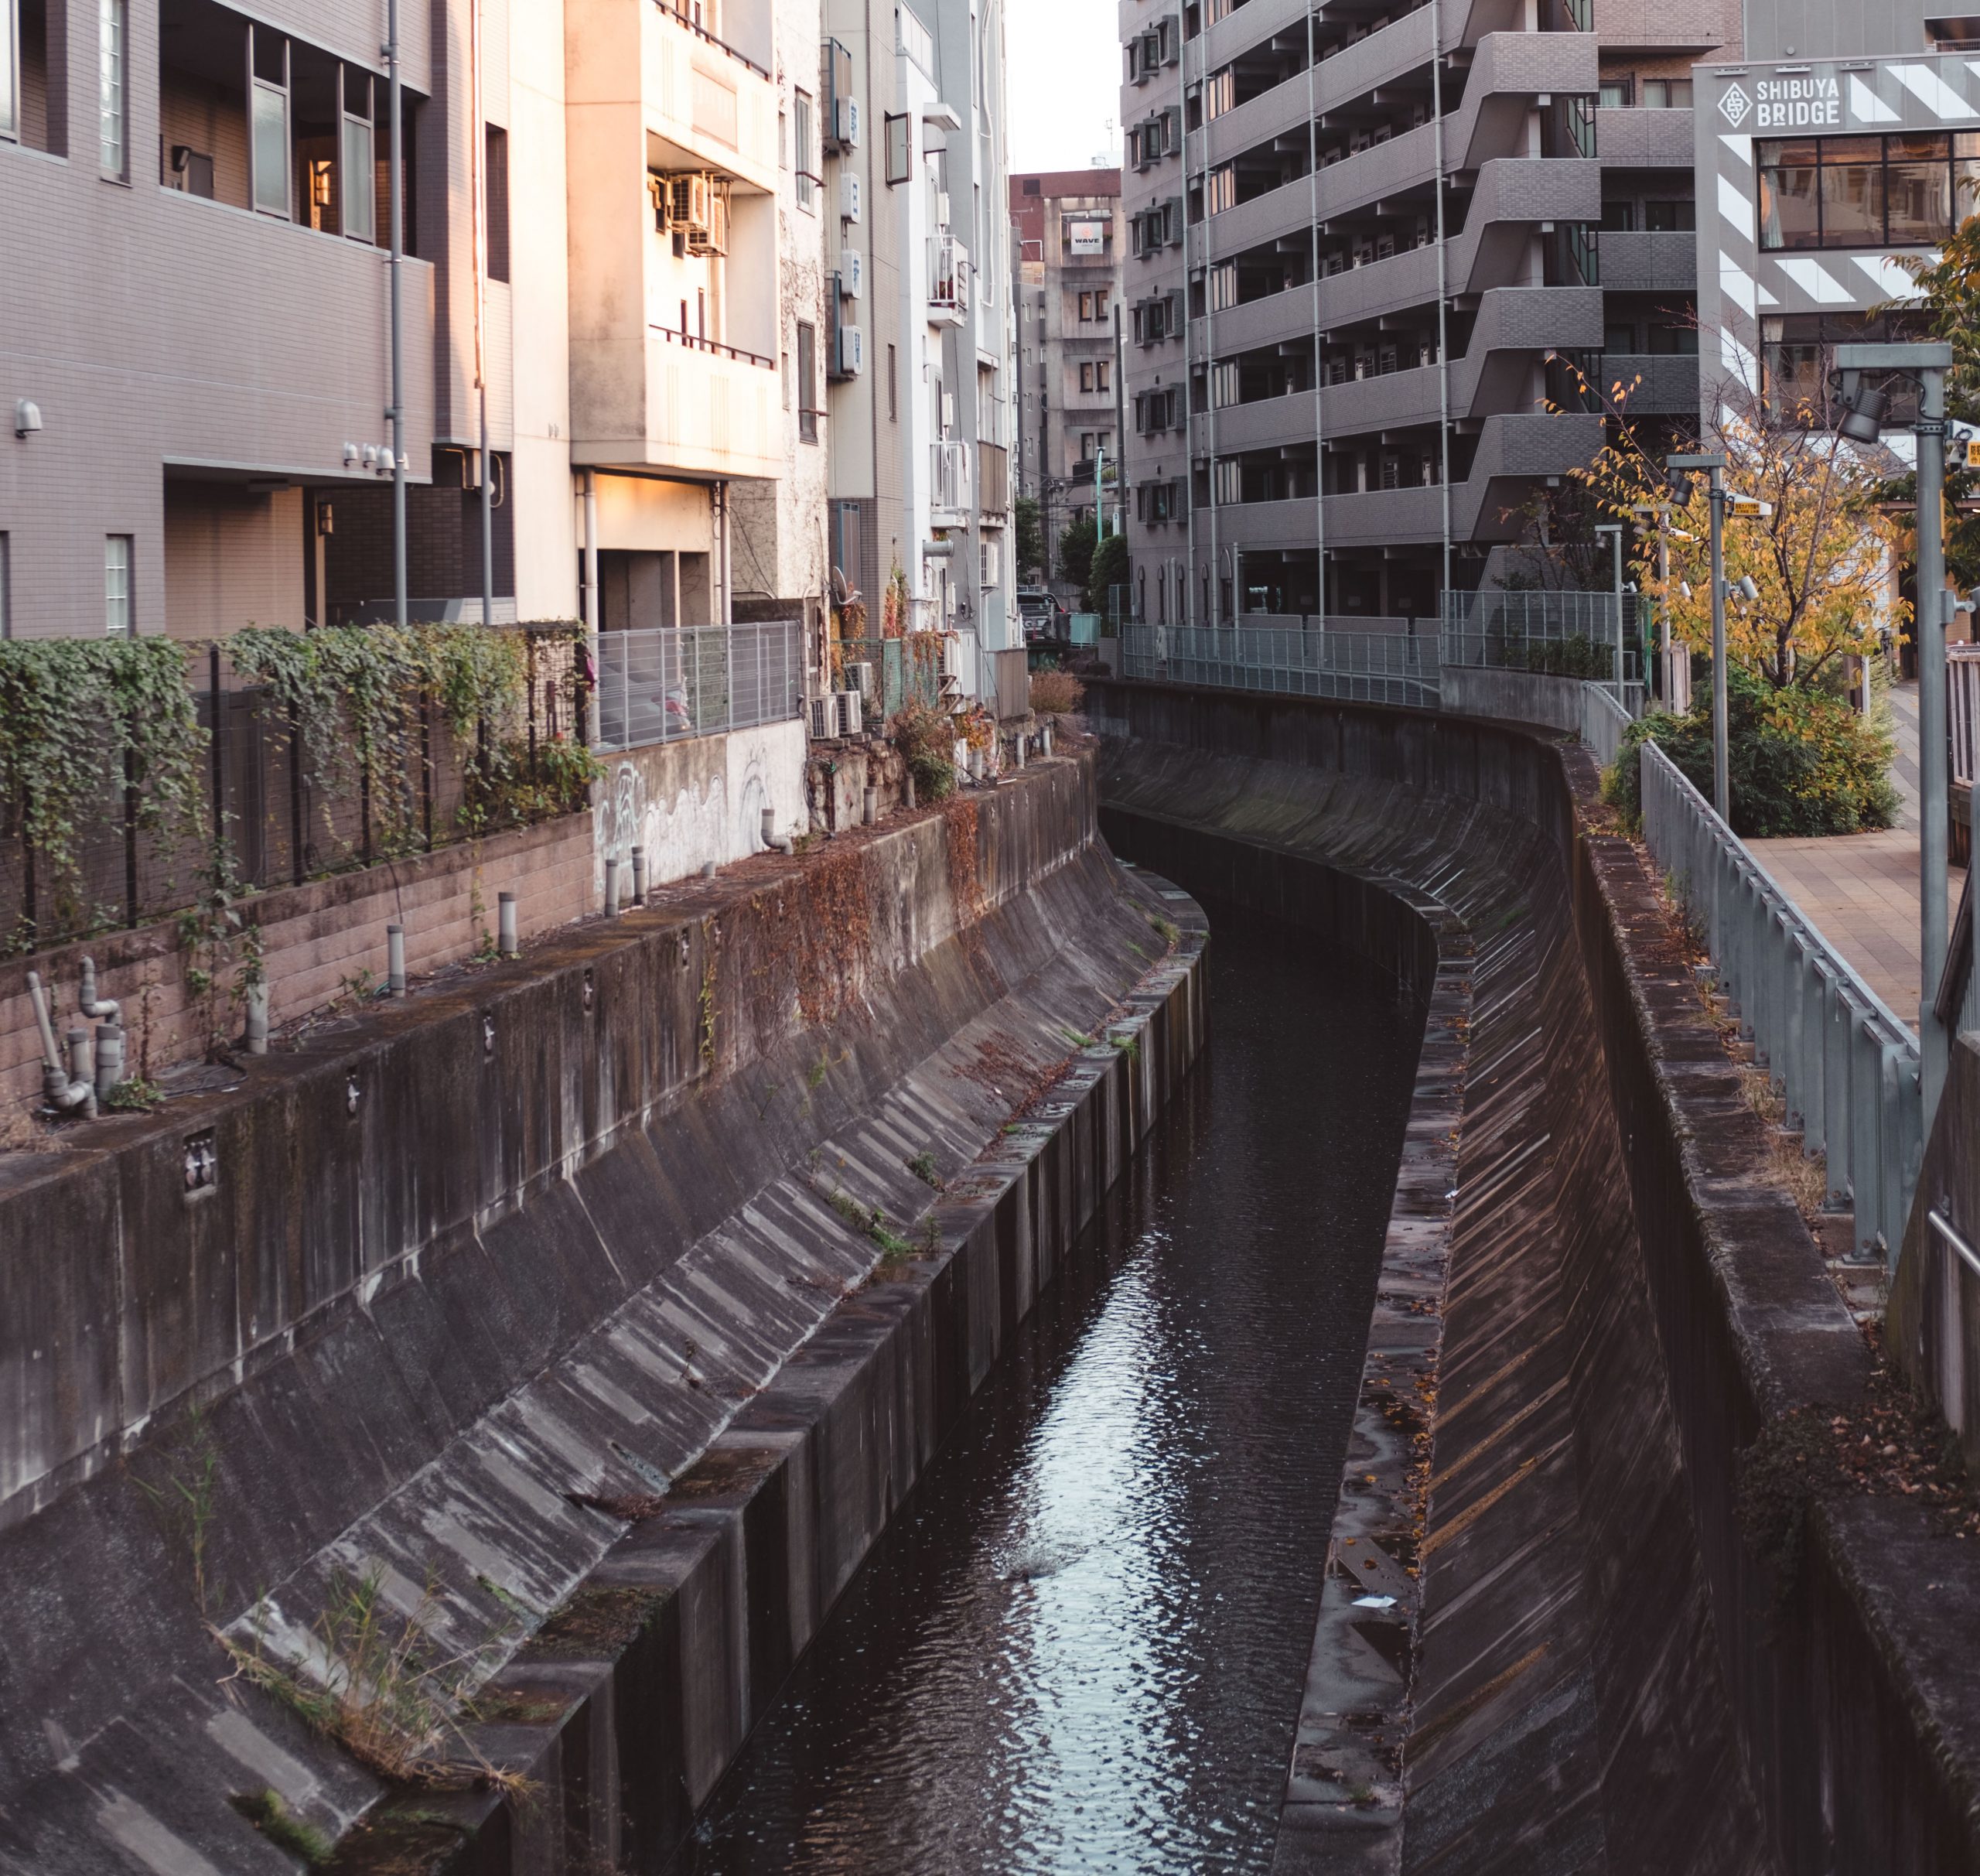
[[1861, 890]]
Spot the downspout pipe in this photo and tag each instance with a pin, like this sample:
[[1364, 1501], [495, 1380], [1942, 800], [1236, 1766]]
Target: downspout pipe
[[479, 156], [592, 620], [397, 413], [1443, 295], [101, 1009], [66, 1088]]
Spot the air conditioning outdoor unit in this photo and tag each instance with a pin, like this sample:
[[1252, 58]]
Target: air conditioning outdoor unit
[[713, 239], [848, 197], [821, 717], [851, 273], [850, 347], [688, 207], [850, 712], [860, 678]]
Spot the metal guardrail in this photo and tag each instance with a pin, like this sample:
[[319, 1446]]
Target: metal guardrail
[[1357, 666], [1562, 634], [1847, 1065], [657, 684]]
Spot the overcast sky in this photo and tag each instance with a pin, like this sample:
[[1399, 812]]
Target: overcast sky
[[1063, 81]]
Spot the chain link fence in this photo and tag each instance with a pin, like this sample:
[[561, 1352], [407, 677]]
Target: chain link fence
[[657, 684]]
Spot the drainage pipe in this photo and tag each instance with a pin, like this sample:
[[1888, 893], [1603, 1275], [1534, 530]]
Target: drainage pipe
[[58, 1089], [612, 889], [396, 173], [639, 875], [395, 960], [507, 941], [255, 1024], [104, 1009], [592, 622], [109, 1059]]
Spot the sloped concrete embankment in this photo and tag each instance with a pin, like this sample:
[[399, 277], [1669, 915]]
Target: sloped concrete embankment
[[1594, 1301], [591, 1303]]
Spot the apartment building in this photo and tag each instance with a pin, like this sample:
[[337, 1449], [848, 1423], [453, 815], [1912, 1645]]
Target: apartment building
[[1369, 256], [1068, 237], [921, 366], [195, 330]]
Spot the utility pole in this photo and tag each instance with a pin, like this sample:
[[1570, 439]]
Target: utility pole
[[1926, 366], [1715, 464]]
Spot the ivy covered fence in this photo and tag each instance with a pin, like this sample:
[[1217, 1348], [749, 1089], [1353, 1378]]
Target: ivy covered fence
[[139, 777]]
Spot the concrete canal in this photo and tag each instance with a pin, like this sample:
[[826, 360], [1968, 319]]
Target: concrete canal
[[1082, 1644]]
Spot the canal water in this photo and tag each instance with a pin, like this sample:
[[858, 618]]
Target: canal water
[[1081, 1645]]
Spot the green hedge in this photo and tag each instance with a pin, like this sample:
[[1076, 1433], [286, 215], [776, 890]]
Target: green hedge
[[1799, 761]]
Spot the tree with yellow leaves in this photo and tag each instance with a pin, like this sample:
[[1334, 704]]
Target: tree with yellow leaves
[[1821, 556]]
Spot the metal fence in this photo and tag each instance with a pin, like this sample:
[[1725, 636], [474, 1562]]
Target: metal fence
[[1357, 667], [1963, 701], [905, 670], [1847, 1065], [1562, 634], [657, 684], [284, 822]]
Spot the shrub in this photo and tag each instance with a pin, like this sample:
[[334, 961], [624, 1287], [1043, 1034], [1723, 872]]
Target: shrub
[[1056, 693], [926, 739], [1799, 760]]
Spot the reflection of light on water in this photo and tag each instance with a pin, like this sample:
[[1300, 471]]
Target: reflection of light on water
[[1082, 1647]]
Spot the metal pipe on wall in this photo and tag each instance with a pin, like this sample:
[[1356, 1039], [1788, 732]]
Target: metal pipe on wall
[[396, 174], [478, 157]]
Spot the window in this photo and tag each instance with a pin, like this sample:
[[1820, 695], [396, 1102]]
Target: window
[[1100, 304], [358, 185], [117, 622], [1864, 192], [1667, 94], [495, 184], [893, 386], [1220, 189], [1102, 374], [808, 383], [112, 55], [6, 617], [1618, 218], [1670, 217], [10, 77], [1614, 94], [1086, 308], [268, 140], [900, 147], [1086, 378], [801, 151]]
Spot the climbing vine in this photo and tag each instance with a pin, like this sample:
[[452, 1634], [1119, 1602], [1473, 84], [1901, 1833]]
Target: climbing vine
[[93, 733]]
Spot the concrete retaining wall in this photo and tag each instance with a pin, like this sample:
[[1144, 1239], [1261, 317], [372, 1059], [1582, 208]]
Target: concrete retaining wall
[[688, 802], [1598, 1669], [534, 1239]]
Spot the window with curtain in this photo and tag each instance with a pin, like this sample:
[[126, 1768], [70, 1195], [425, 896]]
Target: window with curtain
[[1907, 189]]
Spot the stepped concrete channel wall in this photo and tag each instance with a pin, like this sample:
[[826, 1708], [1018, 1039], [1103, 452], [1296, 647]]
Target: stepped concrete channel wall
[[1593, 1300], [587, 1227]]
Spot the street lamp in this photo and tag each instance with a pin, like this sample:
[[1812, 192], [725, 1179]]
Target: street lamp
[[1926, 365], [1674, 696], [1615, 528], [1714, 463]]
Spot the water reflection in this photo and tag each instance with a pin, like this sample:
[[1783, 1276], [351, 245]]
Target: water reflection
[[1082, 1645]]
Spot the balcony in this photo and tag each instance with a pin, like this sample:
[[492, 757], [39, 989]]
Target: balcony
[[673, 355], [1653, 383], [1635, 139], [948, 486], [1641, 261], [948, 281]]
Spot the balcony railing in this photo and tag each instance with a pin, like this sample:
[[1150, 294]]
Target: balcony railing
[[949, 477], [948, 276], [658, 684]]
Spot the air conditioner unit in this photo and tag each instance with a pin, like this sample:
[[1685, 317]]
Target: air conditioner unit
[[848, 197], [860, 678], [851, 273], [845, 122], [849, 713], [821, 717], [850, 346], [714, 238], [941, 208], [690, 205]]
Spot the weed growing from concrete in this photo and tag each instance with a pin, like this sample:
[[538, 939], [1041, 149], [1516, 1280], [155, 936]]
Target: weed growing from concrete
[[135, 1096], [185, 1498], [1073, 1036], [378, 1688], [870, 1220], [707, 1001], [266, 1811], [1128, 1045], [922, 1166], [1165, 929]]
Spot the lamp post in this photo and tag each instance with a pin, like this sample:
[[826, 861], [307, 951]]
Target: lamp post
[[1714, 463], [1615, 528], [1927, 366]]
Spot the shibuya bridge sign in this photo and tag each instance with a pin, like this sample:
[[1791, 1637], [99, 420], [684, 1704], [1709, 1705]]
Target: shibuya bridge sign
[[1783, 104]]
